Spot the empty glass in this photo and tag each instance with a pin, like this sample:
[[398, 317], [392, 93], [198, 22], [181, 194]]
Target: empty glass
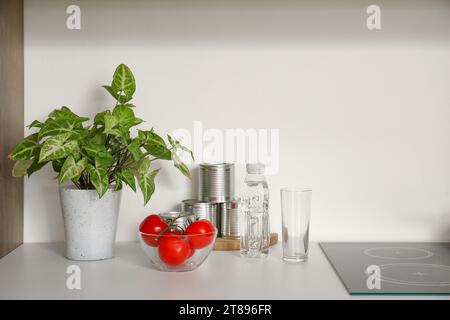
[[295, 214]]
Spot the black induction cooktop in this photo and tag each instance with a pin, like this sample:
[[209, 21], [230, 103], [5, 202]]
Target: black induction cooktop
[[391, 268]]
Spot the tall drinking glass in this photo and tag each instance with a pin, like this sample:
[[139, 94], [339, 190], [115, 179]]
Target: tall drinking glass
[[295, 214]]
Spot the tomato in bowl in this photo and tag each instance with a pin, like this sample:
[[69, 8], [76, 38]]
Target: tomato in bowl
[[174, 249]]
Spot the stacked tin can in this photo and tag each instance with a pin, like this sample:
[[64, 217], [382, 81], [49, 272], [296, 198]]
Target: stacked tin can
[[216, 199]]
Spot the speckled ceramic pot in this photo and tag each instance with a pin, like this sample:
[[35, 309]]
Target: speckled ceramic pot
[[90, 223]]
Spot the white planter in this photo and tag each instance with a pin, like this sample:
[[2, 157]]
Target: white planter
[[90, 223]]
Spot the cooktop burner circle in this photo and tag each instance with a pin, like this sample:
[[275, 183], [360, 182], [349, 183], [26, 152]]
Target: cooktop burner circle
[[416, 274], [398, 253]]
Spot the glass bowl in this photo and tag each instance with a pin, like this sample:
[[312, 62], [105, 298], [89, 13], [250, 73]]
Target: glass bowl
[[174, 252]]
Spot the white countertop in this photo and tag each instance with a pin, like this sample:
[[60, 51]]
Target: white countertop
[[38, 271]]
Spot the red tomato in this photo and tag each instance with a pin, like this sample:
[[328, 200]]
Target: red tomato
[[175, 232], [201, 234], [173, 250], [191, 252], [153, 225]]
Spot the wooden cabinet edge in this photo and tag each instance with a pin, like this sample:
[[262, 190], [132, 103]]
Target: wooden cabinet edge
[[11, 122]]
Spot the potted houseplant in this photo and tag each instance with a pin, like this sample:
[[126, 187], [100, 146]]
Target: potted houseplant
[[97, 159]]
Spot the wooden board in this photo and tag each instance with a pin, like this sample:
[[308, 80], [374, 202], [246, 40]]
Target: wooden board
[[223, 244], [11, 122]]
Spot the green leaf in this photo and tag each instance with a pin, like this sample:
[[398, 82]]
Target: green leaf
[[137, 121], [111, 91], [171, 141], [58, 147], [125, 116], [99, 178], [110, 123], [35, 166], [128, 177], [72, 170], [135, 149], [155, 145], [26, 148], [104, 160], [92, 149], [99, 118], [68, 170], [144, 166], [66, 114], [83, 162], [20, 167], [123, 81], [115, 94], [183, 169], [180, 165], [57, 165], [117, 182], [60, 126], [98, 138], [187, 150], [177, 145], [146, 179], [129, 105], [35, 124]]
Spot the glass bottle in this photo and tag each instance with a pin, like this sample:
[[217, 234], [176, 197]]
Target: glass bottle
[[254, 224]]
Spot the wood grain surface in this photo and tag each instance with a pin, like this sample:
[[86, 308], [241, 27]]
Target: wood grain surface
[[234, 244], [11, 122]]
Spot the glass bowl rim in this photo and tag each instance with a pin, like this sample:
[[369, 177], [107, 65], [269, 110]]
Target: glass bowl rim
[[179, 235]]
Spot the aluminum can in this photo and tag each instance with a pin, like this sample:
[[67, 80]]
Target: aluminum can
[[216, 182]]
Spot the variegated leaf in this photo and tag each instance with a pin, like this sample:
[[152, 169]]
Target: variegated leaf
[[20, 167], [58, 147], [26, 148]]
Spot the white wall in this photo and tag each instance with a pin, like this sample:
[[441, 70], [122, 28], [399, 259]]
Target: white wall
[[363, 115]]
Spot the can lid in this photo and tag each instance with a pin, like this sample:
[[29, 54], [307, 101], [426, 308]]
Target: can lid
[[255, 168], [171, 215], [195, 202], [217, 166]]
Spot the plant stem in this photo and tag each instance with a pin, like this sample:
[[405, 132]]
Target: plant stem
[[107, 141], [120, 164], [77, 184], [120, 150]]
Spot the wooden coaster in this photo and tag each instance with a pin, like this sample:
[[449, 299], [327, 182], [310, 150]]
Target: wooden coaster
[[223, 244]]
